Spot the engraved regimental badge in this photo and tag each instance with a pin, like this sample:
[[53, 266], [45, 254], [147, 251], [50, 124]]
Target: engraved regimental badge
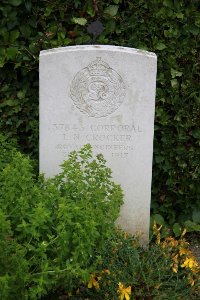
[[97, 90]]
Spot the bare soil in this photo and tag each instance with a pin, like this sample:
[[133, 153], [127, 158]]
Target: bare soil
[[194, 240]]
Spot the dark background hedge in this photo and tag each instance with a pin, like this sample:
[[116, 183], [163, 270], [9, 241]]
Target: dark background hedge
[[168, 28]]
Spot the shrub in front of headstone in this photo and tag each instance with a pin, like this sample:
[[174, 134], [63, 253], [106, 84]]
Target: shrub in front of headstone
[[50, 228]]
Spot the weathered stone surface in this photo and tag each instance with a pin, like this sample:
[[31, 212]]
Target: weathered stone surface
[[105, 96]]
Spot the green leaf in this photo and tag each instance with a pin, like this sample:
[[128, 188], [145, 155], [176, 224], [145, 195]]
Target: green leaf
[[21, 94], [33, 48], [160, 46], [174, 83], [196, 133], [17, 65], [6, 36], [48, 11], [197, 21], [168, 3], [111, 25], [159, 158], [196, 216], [9, 102], [79, 21], [15, 2], [11, 52], [177, 229], [67, 41], [180, 15], [191, 226], [176, 73], [2, 57], [91, 11], [32, 22], [159, 219], [2, 62], [14, 35], [28, 5], [2, 52], [111, 10], [25, 30], [77, 3]]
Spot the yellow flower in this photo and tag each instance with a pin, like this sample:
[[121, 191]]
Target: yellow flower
[[106, 271], [172, 242], [175, 258], [183, 251], [164, 244], [190, 263], [93, 282], [158, 286], [175, 265], [183, 243], [191, 281], [124, 292], [175, 268]]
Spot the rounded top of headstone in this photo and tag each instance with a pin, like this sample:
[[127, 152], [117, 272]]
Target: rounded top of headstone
[[99, 48]]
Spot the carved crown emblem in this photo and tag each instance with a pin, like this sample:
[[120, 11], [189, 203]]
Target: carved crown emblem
[[98, 67]]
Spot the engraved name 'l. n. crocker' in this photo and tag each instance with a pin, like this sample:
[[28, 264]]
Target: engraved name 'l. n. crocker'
[[97, 90]]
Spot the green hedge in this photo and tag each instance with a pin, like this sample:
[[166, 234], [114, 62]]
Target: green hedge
[[168, 28]]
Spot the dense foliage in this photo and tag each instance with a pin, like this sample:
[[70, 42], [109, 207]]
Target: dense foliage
[[50, 229], [58, 239], [167, 270], [170, 28]]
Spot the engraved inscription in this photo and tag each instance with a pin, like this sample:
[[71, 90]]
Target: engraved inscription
[[118, 140], [97, 90]]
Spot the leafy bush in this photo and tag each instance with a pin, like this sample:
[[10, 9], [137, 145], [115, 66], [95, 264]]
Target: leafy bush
[[50, 228]]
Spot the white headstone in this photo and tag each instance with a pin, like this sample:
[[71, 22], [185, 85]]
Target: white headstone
[[104, 96]]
